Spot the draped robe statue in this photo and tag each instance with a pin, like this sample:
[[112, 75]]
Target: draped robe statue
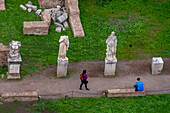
[[111, 47], [64, 45]]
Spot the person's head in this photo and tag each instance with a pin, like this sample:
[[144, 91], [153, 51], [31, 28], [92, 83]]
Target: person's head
[[84, 71], [138, 79]]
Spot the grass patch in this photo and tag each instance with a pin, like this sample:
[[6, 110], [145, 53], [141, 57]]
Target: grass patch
[[144, 24], [149, 104]]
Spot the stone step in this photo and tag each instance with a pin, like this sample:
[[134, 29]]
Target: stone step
[[20, 96], [2, 5], [124, 92]]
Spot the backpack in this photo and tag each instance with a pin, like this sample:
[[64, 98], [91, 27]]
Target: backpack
[[81, 77]]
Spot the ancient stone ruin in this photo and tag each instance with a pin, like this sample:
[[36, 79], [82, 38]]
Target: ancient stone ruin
[[62, 59], [157, 65], [74, 17], [110, 60], [50, 3], [14, 60], [2, 5], [4, 53]]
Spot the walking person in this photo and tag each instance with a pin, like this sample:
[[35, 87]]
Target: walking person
[[83, 78], [139, 85]]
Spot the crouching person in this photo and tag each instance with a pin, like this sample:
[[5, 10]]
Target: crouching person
[[139, 85]]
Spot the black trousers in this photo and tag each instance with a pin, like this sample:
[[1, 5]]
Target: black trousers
[[83, 82], [135, 88]]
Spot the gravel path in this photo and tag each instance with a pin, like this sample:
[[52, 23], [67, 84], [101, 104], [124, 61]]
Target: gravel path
[[49, 86]]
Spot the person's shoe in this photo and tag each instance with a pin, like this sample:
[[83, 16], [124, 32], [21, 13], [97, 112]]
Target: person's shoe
[[87, 89], [80, 89]]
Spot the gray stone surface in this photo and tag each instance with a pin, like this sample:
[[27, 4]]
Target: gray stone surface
[[38, 12], [65, 24], [29, 10], [157, 65], [58, 24], [23, 7], [31, 6], [62, 68], [110, 67], [58, 29], [62, 18]]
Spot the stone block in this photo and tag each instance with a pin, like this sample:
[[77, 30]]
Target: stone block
[[20, 96], [2, 5], [62, 68], [157, 65], [76, 26], [36, 28], [23, 7], [65, 24], [4, 53], [58, 24], [58, 29], [124, 92], [110, 67], [72, 3], [62, 18], [50, 3], [45, 16]]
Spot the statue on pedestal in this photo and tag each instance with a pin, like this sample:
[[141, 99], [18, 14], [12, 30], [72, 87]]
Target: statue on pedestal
[[111, 47], [64, 45]]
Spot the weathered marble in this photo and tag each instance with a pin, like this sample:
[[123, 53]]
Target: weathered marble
[[14, 60], [62, 68], [64, 45], [58, 29], [110, 67], [23, 7], [157, 65]]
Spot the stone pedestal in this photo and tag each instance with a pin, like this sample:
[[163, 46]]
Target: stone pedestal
[[62, 68], [157, 65], [110, 67], [14, 68]]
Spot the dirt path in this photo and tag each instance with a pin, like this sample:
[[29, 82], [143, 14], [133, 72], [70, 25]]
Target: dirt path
[[127, 72]]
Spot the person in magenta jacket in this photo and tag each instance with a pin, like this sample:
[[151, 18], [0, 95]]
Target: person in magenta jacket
[[84, 81], [139, 85]]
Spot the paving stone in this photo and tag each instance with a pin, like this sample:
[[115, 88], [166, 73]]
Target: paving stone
[[76, 26], [2, 5], [36, 28]]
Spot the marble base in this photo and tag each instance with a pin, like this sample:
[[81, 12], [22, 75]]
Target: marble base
[[17, 76], [62, 68], [157, 65], [110, 67]]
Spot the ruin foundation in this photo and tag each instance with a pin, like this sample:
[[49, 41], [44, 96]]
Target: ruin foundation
[[50, 3], [2, 5]]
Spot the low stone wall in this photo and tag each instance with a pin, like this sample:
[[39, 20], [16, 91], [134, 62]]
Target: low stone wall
[[20, 96], [50, 3], [124, 93], [2, 5], [4, 53], [45, 16], [74, 17], [36, 28]]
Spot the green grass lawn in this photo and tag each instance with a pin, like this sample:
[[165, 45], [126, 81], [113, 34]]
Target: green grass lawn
[[147, 104], [143, 23]]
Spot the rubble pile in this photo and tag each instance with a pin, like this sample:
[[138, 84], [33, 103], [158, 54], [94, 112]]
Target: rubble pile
[[60, 17], [58, 14]]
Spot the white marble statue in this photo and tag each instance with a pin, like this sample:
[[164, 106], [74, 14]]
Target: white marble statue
[[64, 45], [111, 47], [14, 49]]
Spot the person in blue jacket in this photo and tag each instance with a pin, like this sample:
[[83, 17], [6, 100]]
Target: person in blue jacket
[[139, 85]]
